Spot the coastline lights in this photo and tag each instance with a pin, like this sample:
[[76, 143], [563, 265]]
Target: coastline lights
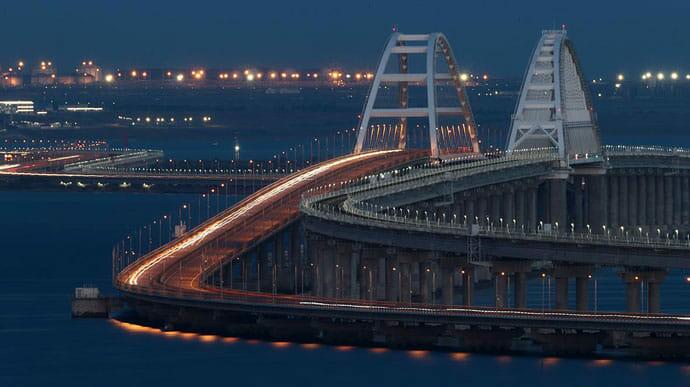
[[109, 78], [620, 77], [464, 77], [179, 77]]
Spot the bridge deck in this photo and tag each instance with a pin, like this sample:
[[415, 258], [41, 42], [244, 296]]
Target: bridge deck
[[177, 265]]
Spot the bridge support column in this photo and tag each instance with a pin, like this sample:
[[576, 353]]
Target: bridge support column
[[623, 195], [651, 200], [447, 281], [561, 292], [496, 200], [677, 206], [467, 286], [685, 200], [642, 200], [469, 210], [509, 206], [531, 209], [581, 294], [632, 201], [327, 269], [563, 273], [579, 204], [635, 280], [501, 288], [355, 291], [520, 208], [559, 203], [668, 201], [613, 201], [633, 292], [597, 201], [660, 198], [520, 283], [382, 277], [482, 211]]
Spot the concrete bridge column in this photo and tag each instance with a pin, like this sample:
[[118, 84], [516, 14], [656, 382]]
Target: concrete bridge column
[[677, 202], [563, 273], [579, 204], [651, 200], [633, 291], [355, 264], [581, 294], [685, 200], [641, 200], [531, 215], [520, 208], [613, 201], [327, 269], [654, 279], [467, 285], [482, 211], [469, 210], [559, 203], [509, 206], [393, 278], [427, 281], [496, 200], [502, 270], [520, 290], [381, 278], [632, 201], [623, 195], [668, 200], [406, 283], [446, 280], [561, 292], [501, 288], [597, 198], [660, 198]]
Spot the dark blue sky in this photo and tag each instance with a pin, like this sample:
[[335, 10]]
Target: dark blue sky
[[492, 35]]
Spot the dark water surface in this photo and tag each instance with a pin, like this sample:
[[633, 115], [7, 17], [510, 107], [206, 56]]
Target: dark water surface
[[52, 242]]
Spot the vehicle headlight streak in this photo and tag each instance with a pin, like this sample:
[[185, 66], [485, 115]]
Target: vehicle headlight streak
[[267, 197]]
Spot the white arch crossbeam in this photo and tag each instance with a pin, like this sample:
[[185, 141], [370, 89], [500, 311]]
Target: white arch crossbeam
[[436, 46], [554, 109]]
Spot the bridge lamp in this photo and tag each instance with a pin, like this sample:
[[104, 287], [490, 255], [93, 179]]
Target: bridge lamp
[[500, 220], [660, 76], [687, 279], [658, 233], [572, 228], [620, 77], [674, 76]]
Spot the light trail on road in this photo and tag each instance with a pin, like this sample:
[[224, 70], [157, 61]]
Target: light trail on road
[[273, 193]]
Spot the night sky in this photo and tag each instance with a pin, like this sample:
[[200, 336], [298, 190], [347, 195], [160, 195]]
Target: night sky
[[495, 35]]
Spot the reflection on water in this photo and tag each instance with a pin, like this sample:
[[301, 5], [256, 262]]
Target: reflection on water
[[417, 354], [602, 362], [460, 356]]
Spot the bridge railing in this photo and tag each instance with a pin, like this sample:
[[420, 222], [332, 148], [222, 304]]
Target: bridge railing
[[646, 150], [356, 209]]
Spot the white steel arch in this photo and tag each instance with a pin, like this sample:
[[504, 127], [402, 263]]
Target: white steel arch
[[554, 109], [436, 46]]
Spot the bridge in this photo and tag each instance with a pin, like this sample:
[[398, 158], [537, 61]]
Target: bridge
[[357, 249]]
